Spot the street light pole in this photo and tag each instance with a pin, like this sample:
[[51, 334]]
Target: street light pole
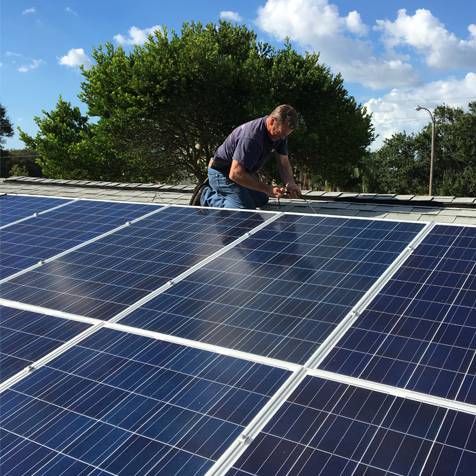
[[432, 157]]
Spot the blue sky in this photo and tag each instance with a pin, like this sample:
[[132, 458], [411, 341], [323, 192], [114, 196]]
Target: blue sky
[[392, 54]]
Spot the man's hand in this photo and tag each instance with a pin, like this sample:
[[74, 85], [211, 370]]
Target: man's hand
[[293, 190], [276, 192]]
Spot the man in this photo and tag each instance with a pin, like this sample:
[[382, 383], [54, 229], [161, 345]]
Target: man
[[233, 182]]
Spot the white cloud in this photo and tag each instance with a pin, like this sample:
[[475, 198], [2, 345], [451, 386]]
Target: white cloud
[[354, 23], [12, 54], [29, 11], [136, 35], [75, 58], [428, 36], [71, 11], [395, 111], [25, 68], [317, 25], [231, 16]]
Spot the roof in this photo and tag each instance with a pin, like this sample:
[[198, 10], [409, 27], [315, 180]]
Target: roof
[[442, 209]]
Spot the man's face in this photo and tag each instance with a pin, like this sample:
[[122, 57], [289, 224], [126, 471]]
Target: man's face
[[278, 131]]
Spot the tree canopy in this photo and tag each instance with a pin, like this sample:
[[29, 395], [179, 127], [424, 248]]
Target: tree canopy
[[6, 127], [402, 164], [163, 108]]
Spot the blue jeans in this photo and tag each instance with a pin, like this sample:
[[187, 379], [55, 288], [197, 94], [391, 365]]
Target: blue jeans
[[224, 193]]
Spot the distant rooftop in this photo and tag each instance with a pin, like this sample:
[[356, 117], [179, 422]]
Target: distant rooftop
[[445, 209]]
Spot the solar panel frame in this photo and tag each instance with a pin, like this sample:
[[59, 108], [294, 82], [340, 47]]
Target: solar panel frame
[[301, 372], [45, 254], [26, 336], [343, 429], [148, 281], [42, 205], [417, 328], [186, 361], [210, 300]]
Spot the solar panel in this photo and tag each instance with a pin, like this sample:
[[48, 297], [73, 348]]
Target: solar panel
[[331, 428], [419, 333], [13, 207], [105, 277], [39, 238], [281, 292], [126, 400], [25, 337], [128, 404]]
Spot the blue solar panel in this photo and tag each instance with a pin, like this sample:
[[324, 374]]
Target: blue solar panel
[[123, 404], [281, 292], [107, 276], [13, 207], [419, 333], [131, 405], [28, 242], [332, 428], [26, 337]]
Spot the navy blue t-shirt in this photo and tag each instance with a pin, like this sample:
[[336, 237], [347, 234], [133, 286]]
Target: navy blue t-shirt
[[250, 145]]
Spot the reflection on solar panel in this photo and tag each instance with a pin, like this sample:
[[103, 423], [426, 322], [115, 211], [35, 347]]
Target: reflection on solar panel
[[281, 292], [420, 331], [128, 404], [207, 327], [107, 276], [26, 337], [331, 428], [13, 208], [39, 238]]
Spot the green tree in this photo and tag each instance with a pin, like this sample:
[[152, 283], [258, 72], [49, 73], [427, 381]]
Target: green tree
[[336, 129], [175, 99], [6, 128], [455, 155], [394, 168], [67, 146], [402, 164], [17, 160]]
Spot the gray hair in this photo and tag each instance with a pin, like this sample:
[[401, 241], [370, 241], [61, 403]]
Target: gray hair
[[287, 115]]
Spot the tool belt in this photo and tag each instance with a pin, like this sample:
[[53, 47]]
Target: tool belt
[[220, 165]]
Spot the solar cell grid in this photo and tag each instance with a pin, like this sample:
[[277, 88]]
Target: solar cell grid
[[333, 428], [13, 207], [119, 403], [282, 291], [127, 404], [420, 331], [26, 337], [39, 238], [105, 277]]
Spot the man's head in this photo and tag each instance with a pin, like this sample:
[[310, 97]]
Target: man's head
[[281, 122]]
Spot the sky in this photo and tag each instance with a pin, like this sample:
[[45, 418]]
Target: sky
[[392, 54]]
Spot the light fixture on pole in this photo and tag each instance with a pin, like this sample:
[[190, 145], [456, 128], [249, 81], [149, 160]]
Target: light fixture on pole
[[432, 157]]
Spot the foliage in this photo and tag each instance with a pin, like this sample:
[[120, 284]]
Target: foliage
[[17, 160], [18, 170], [6, 128], [173, 100], [68, 146], [402, 164]]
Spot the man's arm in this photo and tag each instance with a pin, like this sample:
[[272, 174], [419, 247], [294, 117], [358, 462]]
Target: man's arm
[[286, 173], [239, 175]]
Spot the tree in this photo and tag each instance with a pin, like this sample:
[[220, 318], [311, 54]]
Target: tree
[[19, 160], [455, 161], [6, 128], [66, 145], [402, 164], [175, 99]]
